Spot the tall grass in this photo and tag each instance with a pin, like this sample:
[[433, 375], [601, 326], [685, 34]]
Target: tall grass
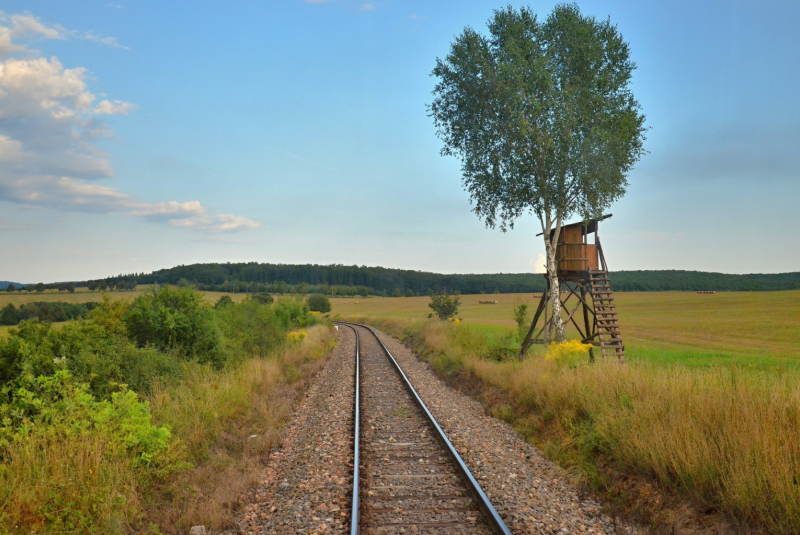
[[228, 422], [727, 437]]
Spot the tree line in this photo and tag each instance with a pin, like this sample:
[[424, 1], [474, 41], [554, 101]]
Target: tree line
[[44, 311], [340, 280]]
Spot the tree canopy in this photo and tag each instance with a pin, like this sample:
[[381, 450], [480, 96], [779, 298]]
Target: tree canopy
[[542, 117]]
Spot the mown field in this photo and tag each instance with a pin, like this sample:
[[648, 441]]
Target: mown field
[[758, 329]]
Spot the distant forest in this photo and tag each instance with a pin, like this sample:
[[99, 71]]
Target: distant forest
[[362, 280]]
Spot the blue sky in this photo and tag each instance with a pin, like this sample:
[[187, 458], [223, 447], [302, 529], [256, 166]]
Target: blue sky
[[141, 135]]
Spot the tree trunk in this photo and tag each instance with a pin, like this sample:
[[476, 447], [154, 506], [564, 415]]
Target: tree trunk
[[555, 288]]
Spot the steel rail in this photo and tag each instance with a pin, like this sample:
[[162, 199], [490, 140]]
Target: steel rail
[[355, 515], [492, 516]]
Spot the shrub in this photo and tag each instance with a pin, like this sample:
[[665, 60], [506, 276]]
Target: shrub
[[223, 301], [72, 463], [445, 305], [521, 318], [251, 328], [319, 303], [264, 298], [9, 315], [397, 292], [175, 320]]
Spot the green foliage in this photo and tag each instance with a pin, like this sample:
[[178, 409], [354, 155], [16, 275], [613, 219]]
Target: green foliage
[[223, 302], [9, 315], [409, 293], [264, 298], [70, 461], [175, 320], [397, 292], [44, 311], [57, 403], [540, 113], [253, 328], [520, 313], [318, 303], [444, 304]]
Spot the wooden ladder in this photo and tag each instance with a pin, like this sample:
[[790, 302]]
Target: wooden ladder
[[606, 316]]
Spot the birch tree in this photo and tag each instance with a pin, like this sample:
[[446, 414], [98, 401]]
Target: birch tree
[[543, 119]]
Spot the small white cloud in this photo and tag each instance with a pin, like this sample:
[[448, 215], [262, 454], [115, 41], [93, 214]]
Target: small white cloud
[[218, 223], [540, 264], [169, 209], [366, 7], [118, 107], [317, 1], [416, 17], [109, 41]]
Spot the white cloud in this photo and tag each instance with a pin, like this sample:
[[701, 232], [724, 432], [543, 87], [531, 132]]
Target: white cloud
[[49, 126], [367, 7], [218, 223], [540, 264], [317, 1], [414, 16], [117, 107], [109, 41], [27, 26]]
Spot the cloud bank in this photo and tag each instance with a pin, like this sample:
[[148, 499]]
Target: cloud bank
[[49, 126]]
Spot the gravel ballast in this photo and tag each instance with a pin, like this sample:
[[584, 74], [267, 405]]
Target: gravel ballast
[[307, 486]]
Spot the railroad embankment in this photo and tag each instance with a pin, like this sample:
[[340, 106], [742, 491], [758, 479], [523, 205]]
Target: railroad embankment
[[680, 448]]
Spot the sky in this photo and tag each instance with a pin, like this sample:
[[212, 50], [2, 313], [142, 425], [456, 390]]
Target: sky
[[141, 135]]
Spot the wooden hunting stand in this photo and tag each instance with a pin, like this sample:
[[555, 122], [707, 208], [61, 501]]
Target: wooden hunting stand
[[582, 273]]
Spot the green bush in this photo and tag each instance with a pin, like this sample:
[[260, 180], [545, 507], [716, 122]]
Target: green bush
[[175, 320], [444, 304], [223, 301], [100, 358], [44, 311], [264, 298], [319, 303], [251, 328]]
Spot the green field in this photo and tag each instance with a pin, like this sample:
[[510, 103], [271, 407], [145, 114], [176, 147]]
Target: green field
[[758, 329]]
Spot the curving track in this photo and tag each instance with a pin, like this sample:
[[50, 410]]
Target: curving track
[[408, 478]]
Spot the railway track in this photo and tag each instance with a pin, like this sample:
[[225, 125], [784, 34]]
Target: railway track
[[407, 477]]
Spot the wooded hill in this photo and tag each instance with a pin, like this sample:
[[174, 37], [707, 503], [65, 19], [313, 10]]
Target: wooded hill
[[339, 279]]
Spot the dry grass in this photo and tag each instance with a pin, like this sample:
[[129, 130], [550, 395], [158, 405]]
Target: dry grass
[[73, 476], [727, 438], [216, 416]]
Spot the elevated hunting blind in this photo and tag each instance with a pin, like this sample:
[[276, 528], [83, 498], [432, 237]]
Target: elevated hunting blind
[[582, 274]]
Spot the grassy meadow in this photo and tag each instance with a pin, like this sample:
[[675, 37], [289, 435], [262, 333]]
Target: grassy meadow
[[757, 329]]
